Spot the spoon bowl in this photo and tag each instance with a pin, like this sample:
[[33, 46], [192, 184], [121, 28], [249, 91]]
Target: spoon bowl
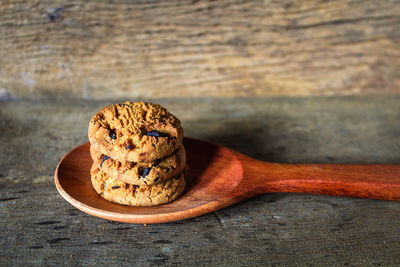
[[219, 177]]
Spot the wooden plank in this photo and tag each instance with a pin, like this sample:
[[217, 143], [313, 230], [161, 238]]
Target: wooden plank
[[109, 50], [39, 227]]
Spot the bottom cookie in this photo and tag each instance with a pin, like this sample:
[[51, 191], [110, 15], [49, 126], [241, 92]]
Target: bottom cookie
[[133, 195]]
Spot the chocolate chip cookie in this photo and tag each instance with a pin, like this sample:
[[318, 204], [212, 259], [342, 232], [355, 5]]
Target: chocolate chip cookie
[[134, 195], [135, 131], [141, 173]]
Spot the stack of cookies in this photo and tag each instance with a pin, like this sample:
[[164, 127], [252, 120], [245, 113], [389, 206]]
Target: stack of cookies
[[137, 152]]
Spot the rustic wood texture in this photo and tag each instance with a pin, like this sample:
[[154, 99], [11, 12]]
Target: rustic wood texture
[[110, 50], [39, 227]]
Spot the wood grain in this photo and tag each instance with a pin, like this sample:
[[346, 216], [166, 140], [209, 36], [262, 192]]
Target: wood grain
[[125, 49], [40, 228]]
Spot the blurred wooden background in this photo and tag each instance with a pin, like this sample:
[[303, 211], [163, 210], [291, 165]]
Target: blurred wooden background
[[121, 49]]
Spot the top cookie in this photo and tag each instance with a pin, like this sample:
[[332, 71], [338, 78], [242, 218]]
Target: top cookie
[[135, 131]]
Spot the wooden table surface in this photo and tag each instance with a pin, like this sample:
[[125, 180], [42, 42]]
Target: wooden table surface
[[114, 49], [39, 227]]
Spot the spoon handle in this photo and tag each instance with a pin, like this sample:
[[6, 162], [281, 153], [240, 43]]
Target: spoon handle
[[377, 181]]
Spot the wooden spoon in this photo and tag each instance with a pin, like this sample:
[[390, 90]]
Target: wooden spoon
[[219, 177]]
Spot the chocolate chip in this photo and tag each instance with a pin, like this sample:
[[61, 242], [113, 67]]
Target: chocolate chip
[[115, 187], [104, 158], [129, 147], [113, 135], [156, 134], [146, 171], [158, 178], [167, 170], [157, 163]]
